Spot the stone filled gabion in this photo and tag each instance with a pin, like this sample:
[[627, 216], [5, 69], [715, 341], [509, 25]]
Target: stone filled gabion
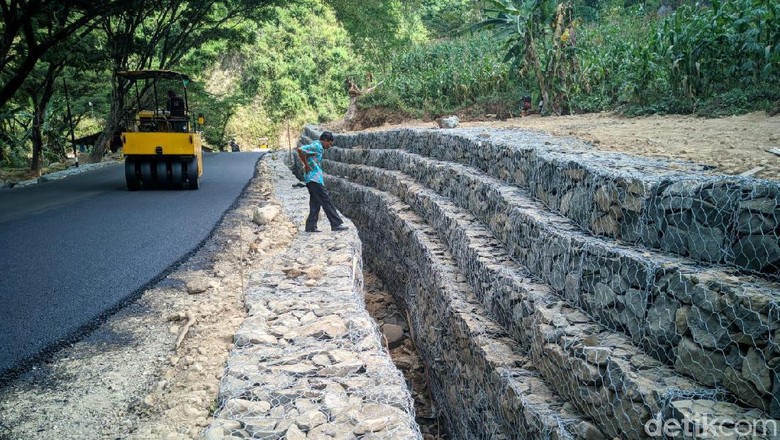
[[625, 336], [675, 207], [308, 361]]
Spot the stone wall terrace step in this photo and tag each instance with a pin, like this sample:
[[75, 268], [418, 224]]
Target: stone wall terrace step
[[482, 377], [708, 323], [601, 372], [308, 361], [716, 219]]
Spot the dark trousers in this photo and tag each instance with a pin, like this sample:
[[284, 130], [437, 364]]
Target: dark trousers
[[319, 197]]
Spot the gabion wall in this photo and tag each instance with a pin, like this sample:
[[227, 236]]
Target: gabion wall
[[675, 207], [308, 361], [627, 336]]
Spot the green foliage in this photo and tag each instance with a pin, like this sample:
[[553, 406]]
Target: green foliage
[[535, 35], [440, 77], [379, 27], [258, 68], [302, 58], [444, 18], [292, 69]]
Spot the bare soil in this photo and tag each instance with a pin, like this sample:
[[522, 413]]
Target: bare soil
[[731, 145]]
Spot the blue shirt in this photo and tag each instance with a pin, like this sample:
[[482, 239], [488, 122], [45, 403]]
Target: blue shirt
[[314, 159]]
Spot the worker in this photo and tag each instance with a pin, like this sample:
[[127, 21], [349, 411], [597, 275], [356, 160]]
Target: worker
[[311, 156]]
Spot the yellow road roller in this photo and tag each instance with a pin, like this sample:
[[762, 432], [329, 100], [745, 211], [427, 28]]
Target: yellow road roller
[[161, 140]]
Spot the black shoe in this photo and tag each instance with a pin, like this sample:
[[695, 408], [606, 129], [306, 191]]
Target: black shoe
[[339, 228], [316, 230]]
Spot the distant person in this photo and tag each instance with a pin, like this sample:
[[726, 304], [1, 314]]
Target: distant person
[[526, 106], [311, 156], [175, 104]]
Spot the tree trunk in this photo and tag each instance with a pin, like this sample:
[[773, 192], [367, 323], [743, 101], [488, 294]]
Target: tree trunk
[[40, 102], [113, 123], [538, 71], [349, 117], [37, 140]]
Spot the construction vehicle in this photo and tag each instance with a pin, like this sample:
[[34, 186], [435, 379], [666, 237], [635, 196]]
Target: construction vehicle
[[161, 141]]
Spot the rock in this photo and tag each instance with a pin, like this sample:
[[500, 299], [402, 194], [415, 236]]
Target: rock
[[244, 408], [705, 244], [311, 419], [604, 296], [331, 431], [262, 428], [763, 205], [294, 433], [588, 431], [215, 433], [321, 360], [756, 370], [301, 369], [706, 298], [661, 325], [265, 214], [681, 319], [758, 252], [674, 240], [750, 223], [372, 425], [335, 403], [596, 355], [448, 121], [330, 327], [253, 337], [342, 369], [715, 419], [606, 225], [605, 196], [394, 334], [199, 285], [707, 329]]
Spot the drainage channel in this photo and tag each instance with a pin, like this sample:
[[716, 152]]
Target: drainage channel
[[393, 320]]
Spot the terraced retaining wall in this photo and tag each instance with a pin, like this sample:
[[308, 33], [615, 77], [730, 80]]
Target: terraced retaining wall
[[308, 362], [617, 336], [716, 219]]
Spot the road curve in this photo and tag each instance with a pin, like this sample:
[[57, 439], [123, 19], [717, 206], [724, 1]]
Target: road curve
[[73, 249]]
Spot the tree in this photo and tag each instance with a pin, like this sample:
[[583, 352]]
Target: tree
[[30, 28], [534, 32], [40, 93], [157, 34]]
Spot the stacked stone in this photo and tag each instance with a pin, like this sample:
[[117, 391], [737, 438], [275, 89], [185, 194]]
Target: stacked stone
[[602, 372], [308, 361], [666, 304], [707, 323], [669, 206], [479, 376]]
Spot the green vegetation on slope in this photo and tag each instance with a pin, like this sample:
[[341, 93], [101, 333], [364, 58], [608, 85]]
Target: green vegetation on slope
[[718, 59]]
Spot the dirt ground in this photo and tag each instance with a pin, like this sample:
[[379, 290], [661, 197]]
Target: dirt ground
[[732, 145]]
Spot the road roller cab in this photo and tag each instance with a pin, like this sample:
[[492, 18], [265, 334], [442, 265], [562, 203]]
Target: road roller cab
[[162, 141]]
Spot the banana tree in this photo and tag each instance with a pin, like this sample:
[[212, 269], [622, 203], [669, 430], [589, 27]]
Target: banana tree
[[524, 27]]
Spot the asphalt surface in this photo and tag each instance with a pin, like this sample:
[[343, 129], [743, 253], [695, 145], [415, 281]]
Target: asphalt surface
[[74, 249]]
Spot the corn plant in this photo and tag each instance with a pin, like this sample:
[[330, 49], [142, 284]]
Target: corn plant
[[442, 76]]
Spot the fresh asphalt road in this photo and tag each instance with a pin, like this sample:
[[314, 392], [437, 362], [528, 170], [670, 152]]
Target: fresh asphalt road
[[72, 249]]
